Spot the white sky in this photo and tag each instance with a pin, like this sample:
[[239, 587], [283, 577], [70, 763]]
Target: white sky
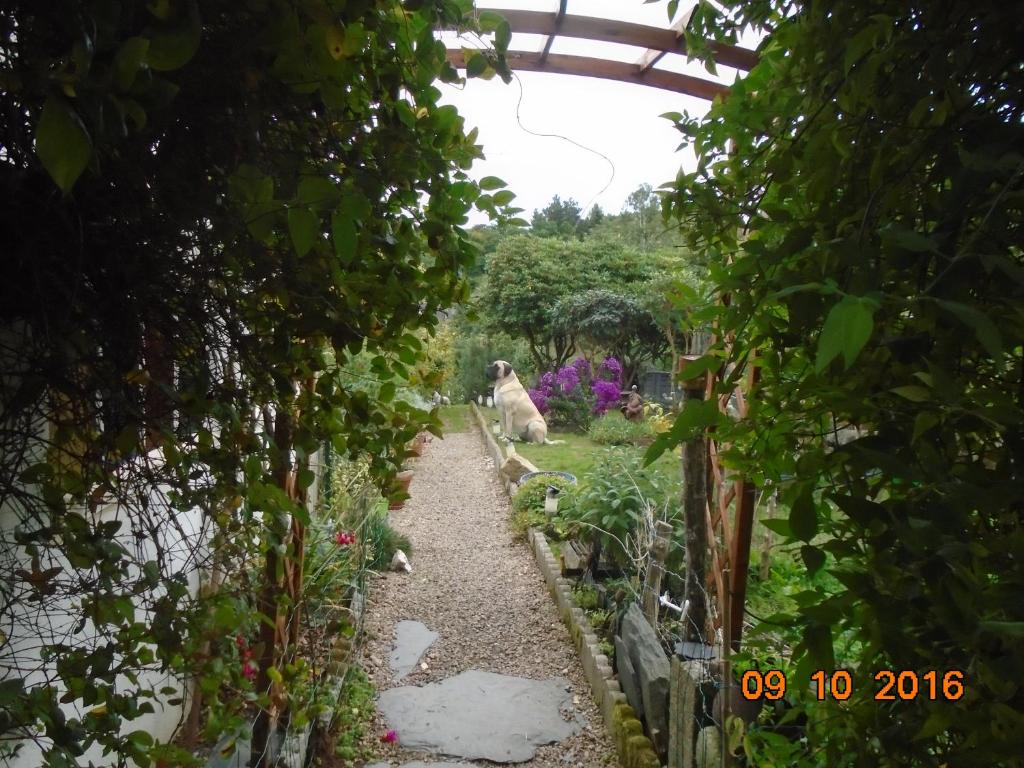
[[619, 120]]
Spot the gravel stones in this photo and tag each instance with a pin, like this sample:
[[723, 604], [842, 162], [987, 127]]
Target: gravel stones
[[481, 592]]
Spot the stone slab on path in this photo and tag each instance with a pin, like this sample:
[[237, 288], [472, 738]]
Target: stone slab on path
[[412, 638], [480, 715]]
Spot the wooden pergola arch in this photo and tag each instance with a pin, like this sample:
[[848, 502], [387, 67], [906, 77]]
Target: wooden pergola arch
[[728, 539], [656, 41]]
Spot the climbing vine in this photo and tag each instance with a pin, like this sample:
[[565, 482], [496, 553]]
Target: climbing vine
[[859, 195], [209, 207]]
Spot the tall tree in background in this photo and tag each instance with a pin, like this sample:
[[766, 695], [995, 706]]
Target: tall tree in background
[[559, 219]]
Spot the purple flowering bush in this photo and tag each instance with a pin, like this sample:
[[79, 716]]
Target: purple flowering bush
[[573, 395]]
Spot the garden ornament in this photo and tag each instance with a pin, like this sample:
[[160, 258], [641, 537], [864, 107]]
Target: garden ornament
[[520, 418], [633, 410], [551, 500]]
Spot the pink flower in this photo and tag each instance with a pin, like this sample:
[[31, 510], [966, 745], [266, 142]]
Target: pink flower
[[240, 642], [249, 670], [390, 737], [344, 538]]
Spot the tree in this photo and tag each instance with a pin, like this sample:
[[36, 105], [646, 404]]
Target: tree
[[559, 219], [594, 217], [859, 196], [616, 323], [527, 276], [209, 208]]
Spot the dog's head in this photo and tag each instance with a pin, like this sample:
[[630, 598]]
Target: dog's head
[[499, 369]]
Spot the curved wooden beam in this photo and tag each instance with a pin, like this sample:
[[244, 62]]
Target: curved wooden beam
[[607, 70], [626, 33]]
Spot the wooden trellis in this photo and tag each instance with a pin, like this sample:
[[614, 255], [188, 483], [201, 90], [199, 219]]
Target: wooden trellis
[[656, 41]]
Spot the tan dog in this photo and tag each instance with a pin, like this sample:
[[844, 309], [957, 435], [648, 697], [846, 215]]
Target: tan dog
[[520, 418]]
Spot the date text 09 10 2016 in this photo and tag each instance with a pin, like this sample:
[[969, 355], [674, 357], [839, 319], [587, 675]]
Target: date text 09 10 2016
[[890, 685]]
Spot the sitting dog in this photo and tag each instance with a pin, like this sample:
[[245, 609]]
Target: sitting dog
[[520, 418]]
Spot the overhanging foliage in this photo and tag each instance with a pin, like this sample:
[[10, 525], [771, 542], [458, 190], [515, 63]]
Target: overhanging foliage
[[860, 197]]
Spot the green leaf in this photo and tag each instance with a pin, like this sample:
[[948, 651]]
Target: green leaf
[[909, 240], [304, 227], [387, 392], [913, 393], [779, 526], [847, 329], [503, 35], [1007, 628], [818, 640], [504, 197], [491, 182], [173, 45], [317, 192], [128, 59], [343, 231], [986, 330], [476, 64], [813, 558], [803, 517], [62, 142]]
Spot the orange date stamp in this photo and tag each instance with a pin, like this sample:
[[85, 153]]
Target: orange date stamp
[[890, 685]]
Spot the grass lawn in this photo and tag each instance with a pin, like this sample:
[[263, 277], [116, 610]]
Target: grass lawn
[[576, 455], [456, 418]]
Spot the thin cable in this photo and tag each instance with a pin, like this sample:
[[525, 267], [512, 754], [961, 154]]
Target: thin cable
[[603, 156]]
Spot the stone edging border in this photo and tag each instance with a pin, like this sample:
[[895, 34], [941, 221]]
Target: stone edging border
[[634, 748]]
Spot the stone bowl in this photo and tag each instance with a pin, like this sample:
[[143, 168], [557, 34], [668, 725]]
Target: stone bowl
[[548, 473]]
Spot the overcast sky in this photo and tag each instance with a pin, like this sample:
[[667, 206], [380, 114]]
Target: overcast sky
[[618, 120]]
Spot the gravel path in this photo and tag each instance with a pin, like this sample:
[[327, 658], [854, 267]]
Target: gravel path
[[481, 591]]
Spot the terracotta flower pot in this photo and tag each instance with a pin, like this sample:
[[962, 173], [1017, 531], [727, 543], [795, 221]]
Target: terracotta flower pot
[[417, 444], [402, 482]]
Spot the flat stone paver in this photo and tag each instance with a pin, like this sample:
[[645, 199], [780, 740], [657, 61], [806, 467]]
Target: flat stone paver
[[412, 639], [480, 715]]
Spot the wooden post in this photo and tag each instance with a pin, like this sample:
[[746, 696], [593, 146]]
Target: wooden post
[[725, 691], [695, 502], [655, 572]]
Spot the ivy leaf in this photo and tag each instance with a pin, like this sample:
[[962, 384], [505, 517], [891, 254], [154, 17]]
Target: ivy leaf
[[303, 226], [62, 142], [847, 329]]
